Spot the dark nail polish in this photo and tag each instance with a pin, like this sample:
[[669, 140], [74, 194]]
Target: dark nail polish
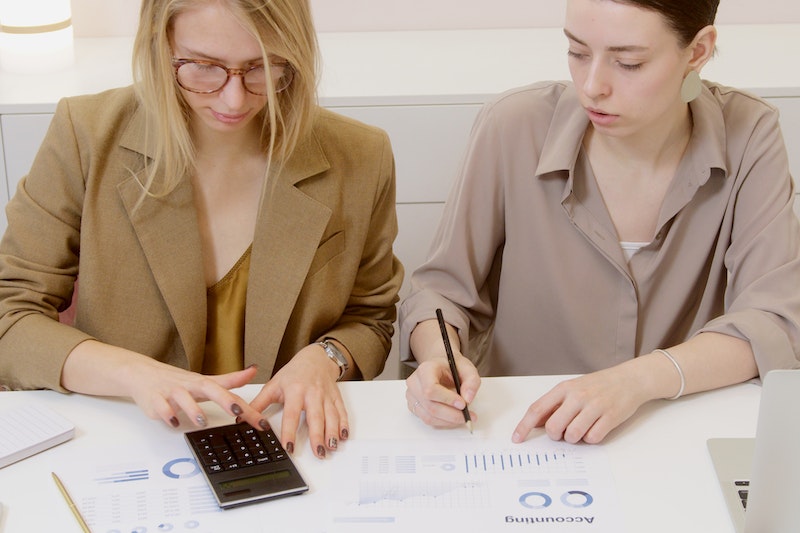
[[345, 434], [235, 409], [321, 450], [238, 419], [174, 422], [290, 448], [263, 424], [333, 443]]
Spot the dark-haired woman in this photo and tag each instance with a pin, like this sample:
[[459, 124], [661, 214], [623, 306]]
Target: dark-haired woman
[[634, 226]]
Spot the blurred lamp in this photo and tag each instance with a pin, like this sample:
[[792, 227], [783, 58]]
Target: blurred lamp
[[35, 35]]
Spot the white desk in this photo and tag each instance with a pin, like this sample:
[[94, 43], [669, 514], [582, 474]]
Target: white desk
[[663, 477]]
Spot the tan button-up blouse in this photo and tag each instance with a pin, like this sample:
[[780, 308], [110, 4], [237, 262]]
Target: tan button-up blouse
[[527, 265]]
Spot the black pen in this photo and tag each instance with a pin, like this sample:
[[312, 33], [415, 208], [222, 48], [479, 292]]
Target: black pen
[[452, 361]]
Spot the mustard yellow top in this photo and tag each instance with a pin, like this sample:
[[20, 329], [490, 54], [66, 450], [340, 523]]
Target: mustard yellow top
[[225, 329]]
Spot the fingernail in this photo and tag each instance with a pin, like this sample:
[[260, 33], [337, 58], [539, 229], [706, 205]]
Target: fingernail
[[333, 443], [238, 419], [290, 448], [201, 420], [321, 450], [174, 422], [263, 424], [345, 434], [516, 438], [253, 365], [235, 409]]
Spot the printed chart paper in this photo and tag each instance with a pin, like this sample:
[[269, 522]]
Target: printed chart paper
[[472, 485], [162, 490], [143, 492]]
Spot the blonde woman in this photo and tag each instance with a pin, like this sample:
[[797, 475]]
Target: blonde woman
[[224, 228]]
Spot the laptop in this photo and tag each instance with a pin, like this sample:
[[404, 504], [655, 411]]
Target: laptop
[[760, 477]]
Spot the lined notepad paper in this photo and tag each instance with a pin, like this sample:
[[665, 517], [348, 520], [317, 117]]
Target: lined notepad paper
[[30, 429]]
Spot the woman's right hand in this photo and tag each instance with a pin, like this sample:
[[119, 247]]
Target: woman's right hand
[[431, 395], [159, 389]]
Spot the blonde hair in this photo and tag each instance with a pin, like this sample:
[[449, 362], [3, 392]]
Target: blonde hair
[[282, 27]]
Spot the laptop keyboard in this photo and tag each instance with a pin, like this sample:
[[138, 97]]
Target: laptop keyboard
[[742, 488]]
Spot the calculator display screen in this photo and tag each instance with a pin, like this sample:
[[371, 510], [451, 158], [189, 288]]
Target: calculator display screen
[[246, 481]]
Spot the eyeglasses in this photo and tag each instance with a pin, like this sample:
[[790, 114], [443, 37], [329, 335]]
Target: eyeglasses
[[206, 77]]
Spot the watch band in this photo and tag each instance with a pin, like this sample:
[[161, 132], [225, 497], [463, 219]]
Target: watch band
[[335, 355]]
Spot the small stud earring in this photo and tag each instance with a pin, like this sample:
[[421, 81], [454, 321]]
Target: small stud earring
[[691, 86]]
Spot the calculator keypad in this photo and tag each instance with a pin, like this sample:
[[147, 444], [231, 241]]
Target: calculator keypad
[[238, 446]]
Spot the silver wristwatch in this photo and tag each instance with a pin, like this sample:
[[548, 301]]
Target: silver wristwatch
[[335, 355]]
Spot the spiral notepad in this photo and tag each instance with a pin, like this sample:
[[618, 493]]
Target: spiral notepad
[[30, 429]]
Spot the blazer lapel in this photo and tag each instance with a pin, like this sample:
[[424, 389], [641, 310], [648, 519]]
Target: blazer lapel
[[288, 233], [168, 232]]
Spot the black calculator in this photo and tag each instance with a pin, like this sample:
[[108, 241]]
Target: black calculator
[[244, 465]]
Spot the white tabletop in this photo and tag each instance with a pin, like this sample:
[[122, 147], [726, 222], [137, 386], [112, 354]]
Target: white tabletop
[[662, 475]]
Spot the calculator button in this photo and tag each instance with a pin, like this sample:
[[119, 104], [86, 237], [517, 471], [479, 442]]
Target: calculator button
[[209, 461], [238, 447]]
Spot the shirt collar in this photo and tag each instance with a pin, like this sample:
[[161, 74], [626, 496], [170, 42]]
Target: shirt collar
[[565, 135], [564, 138], [707, 146]]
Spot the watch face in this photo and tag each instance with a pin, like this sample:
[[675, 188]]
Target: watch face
[[337, 356]]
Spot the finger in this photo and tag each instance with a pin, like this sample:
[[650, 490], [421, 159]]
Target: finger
[[439, 388], [430, 401], [247, 414], [535, 416], [161, 408], [344, 422], [439, 415], [599, 430], [231, 403], [239, 378], [292, 409], [315, 420], [470, 379], [186, 402], [332, 432], [411, 401], [268, 395], [577, 428]]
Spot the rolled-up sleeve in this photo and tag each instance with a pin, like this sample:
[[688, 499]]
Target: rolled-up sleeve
[[762, 299]]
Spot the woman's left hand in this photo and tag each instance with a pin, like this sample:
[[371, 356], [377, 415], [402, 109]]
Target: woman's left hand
[[308, 383], [586, 408]]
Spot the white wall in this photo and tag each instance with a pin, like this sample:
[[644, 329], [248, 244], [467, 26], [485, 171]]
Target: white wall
[[97, 18]]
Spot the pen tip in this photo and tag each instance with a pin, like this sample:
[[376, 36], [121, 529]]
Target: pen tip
[[469, 425]]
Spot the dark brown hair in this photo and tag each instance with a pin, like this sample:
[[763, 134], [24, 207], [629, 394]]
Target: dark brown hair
[[685, 17]]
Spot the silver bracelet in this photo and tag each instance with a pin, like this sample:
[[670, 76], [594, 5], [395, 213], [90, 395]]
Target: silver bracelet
[[678, 368]]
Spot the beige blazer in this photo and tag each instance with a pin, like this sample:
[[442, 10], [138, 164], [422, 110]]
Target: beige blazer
[[322, 263]]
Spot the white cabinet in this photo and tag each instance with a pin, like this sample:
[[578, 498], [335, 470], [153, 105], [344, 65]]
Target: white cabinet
[[428, 143], [790, 124], [23, 133]]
